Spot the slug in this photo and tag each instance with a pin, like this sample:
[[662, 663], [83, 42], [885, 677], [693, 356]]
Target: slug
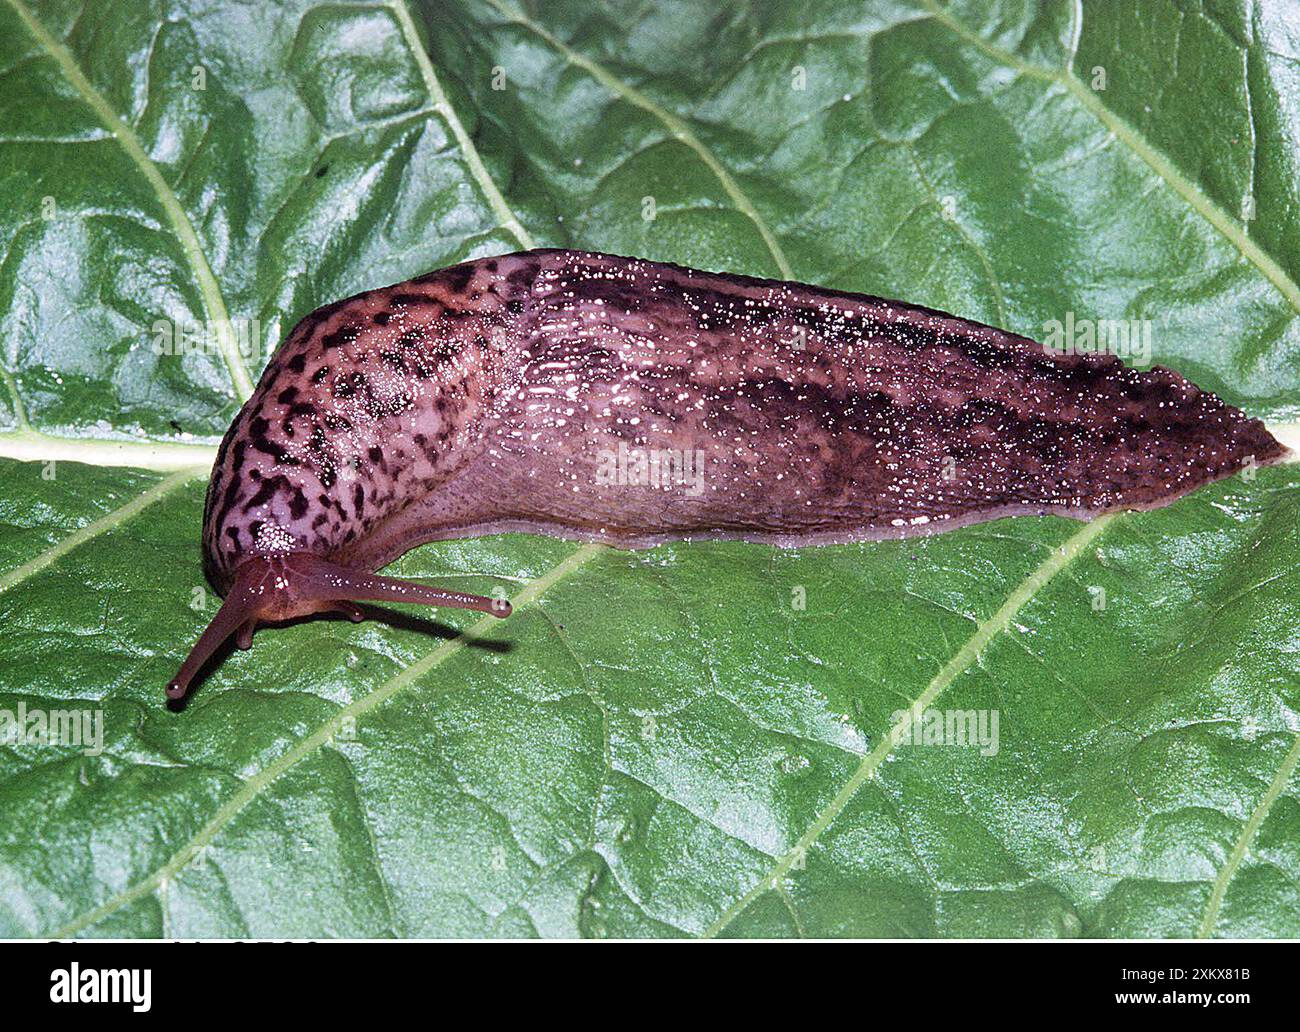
[[611, 399]]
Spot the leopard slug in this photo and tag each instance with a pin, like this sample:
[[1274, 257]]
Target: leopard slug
[[611, 399]]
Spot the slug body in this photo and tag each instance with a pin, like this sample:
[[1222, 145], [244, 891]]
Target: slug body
[[602, 398]]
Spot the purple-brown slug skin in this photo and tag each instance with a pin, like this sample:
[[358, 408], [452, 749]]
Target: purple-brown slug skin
[[514, 393]]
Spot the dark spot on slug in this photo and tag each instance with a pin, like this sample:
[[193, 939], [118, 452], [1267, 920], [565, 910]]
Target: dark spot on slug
[[347, 386], [409, 300], [265, 492], [345, 335], [458, 277], [521, 279]]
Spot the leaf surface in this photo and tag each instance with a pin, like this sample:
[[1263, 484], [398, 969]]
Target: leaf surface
[[699, 739]]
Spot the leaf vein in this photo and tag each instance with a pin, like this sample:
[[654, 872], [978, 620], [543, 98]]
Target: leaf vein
[[255, 785], [442, 105], [210, 291], [675, 125], [1248, 833], [105, 523], [164, 456], [1131, 138], [962, 660]]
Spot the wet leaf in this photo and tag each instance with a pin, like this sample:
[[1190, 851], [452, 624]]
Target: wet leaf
[[696, 739]]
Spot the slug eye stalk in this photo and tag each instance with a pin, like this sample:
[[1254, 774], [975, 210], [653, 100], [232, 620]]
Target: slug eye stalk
[[300, 584]]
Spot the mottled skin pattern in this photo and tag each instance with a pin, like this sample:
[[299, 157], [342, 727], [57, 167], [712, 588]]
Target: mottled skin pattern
[[486, 396], [528, 392]]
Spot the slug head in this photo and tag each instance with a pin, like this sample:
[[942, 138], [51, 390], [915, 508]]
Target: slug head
[[294, 584]]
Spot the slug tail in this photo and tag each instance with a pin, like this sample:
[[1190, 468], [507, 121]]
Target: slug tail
[[299, 584]]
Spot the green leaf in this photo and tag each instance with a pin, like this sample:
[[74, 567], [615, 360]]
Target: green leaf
[[704, 739]]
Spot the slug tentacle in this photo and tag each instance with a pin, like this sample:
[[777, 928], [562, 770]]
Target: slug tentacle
[[282, 587], [600, 398], [316, 580], [237, 616]]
